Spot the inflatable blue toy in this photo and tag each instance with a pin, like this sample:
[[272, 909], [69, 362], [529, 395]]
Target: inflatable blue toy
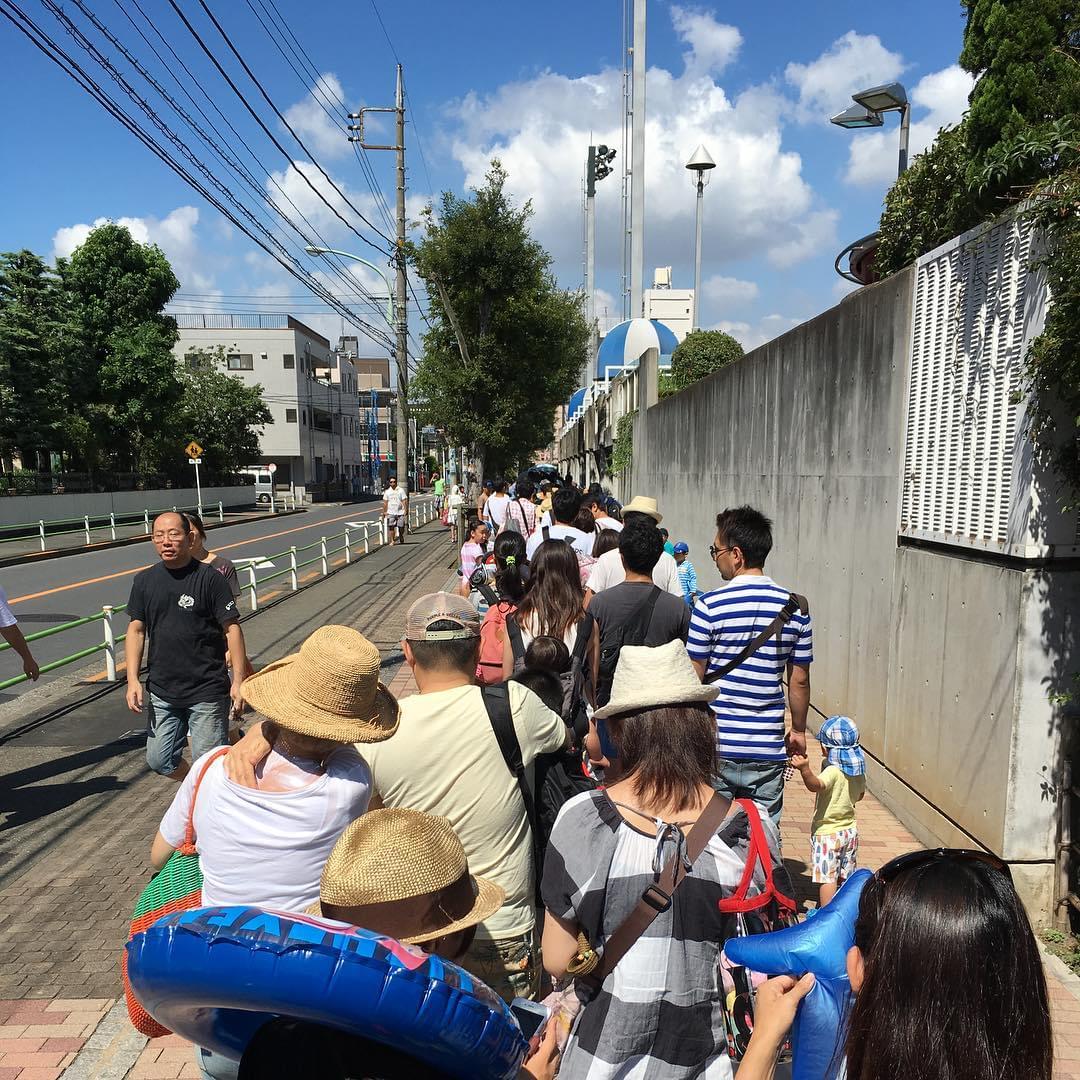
[[819, 945], [216, 975]]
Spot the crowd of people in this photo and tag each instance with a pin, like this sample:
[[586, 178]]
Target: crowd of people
[[650, 733]]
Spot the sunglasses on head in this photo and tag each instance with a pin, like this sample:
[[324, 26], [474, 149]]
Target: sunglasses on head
[[894, 868]]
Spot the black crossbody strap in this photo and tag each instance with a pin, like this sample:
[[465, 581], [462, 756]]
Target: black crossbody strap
[[793, 604], [517, 642], [497, 702]]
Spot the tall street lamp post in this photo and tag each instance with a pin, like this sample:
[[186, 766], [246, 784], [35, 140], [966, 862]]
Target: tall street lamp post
[[699, 164]]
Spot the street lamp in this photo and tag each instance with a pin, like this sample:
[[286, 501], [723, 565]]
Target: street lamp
[[867, 110], [311, 249], [700, 163]]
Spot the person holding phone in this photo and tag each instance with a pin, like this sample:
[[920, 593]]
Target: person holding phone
[[191, 615]]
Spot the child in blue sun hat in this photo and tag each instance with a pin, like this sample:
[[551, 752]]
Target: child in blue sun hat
[[834, 837]]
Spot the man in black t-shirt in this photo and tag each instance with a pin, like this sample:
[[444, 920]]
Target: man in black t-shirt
[[190, 614]]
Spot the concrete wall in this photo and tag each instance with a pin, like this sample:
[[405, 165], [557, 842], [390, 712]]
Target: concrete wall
[[19, 509], [947, 659]]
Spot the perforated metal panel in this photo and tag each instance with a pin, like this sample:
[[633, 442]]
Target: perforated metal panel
[[971, 324]]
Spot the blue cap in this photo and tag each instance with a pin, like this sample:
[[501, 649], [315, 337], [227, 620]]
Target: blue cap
[[682, 548], [839, 738]]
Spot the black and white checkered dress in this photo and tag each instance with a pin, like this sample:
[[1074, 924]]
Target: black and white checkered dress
[[658, 1015]]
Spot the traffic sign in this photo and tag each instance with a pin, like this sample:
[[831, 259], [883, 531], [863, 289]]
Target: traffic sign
[[193, 449], [194, 460], [272, 467]]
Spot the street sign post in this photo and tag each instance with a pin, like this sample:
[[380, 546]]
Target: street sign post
[[194, 453]]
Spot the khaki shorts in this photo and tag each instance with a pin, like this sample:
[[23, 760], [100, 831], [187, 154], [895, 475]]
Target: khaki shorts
[[510, 966]]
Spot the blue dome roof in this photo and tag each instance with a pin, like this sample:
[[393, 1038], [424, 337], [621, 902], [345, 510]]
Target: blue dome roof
[[624, 344], [573, 406]]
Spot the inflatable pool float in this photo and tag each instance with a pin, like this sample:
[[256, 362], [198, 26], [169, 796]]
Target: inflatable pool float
[[819, 945], [216, 975]]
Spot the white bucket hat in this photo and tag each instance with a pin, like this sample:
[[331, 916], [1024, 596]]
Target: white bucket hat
[[651, 678]]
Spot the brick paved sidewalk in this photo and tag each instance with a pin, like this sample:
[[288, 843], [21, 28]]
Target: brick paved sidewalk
[[40, 1039]]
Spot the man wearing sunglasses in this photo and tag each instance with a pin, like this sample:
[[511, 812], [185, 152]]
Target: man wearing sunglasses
[[751, 746]]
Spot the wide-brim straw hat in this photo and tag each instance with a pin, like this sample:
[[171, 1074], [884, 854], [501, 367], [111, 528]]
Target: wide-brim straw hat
[[641, 504], [654, 677], [330, 689], [399, 854]]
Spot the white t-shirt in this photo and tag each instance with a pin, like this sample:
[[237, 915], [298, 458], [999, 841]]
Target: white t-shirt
[[269, 847], [495, 510], [582, 542], [394, 498], [7, 616], [609, 523], [609, 571], [444, 760], [528, 632]]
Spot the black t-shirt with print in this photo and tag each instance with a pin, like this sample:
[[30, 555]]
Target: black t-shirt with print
[[184, 612]]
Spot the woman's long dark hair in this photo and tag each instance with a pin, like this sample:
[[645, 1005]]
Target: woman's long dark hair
[[606, 540], [667, 753], [953, 987], [554, 601], [510, 576]]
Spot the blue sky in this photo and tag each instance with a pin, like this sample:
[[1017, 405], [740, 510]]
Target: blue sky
[[755, 82]]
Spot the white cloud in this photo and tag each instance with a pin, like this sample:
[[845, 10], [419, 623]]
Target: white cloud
[[711, 45], [176, 234], [853, 62], [720, 290], [941, 98], [324, 136], [540, 129], [752, 334]]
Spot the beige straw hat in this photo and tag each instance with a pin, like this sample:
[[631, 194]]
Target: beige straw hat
[[330, 689], [399, 854], [640, 504], [653, 677]]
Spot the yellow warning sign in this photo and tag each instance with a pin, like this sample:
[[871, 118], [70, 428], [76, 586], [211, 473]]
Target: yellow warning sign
[[193, 449]]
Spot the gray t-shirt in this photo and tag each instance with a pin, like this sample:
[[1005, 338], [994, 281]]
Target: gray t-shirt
[[614, 606]]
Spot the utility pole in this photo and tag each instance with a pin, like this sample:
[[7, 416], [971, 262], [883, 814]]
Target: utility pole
[[597, 166], [401, 351], [637, 164]]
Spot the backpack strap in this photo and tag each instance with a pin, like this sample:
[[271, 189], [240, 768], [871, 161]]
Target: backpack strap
[[758, 853], [791, 605], [517, 642], [658, 894], [497, 703], [525, 520]]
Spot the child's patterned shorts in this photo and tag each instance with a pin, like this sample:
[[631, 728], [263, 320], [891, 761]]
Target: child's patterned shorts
[[835, 856]]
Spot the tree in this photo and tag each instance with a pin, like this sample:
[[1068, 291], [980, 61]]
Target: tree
[[31, 412], [699, 354], [122, 380], [1026, 54], [220, 411], [930, 203], [523, 342]]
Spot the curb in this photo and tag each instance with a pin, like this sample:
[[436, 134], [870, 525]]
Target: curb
[[34, 557]]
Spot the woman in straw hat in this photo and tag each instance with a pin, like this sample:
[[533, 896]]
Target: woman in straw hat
[[267, 845], [661, 1010]]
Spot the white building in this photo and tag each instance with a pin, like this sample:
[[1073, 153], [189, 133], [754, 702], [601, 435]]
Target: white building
[[311, 391]]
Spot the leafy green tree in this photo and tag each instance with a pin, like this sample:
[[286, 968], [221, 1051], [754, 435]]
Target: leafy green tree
[[1026, 54], [122, 380], [930, 203], [220, 411], [31, 412], [506, 345], [699, 354]]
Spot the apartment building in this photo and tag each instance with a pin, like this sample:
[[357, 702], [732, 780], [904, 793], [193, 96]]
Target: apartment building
[[311, 390]]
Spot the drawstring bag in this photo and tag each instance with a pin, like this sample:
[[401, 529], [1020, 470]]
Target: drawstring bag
[[177, 886], [762, 913]]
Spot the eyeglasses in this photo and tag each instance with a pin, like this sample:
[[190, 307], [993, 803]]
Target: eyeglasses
[[714, 551], [172, 534], [893, 869]]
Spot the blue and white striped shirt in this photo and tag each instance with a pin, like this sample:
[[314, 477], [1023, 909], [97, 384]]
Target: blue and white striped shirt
[[750, 707]]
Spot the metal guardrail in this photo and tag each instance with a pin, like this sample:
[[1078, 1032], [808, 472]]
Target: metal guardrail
[[354, 538], [89, 524]]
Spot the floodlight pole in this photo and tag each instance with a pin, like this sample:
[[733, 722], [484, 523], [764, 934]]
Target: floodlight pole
[[637, 163], [905, 133], [590, 262]]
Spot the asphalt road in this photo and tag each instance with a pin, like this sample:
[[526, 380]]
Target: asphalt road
[[46, 594]]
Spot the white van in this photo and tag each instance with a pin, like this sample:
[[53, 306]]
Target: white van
[[264, 481]]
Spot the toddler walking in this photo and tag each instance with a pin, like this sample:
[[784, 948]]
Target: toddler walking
[[834, 838]]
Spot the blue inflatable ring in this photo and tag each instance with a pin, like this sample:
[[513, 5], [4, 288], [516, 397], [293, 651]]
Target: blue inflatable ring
[[216, 975]]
